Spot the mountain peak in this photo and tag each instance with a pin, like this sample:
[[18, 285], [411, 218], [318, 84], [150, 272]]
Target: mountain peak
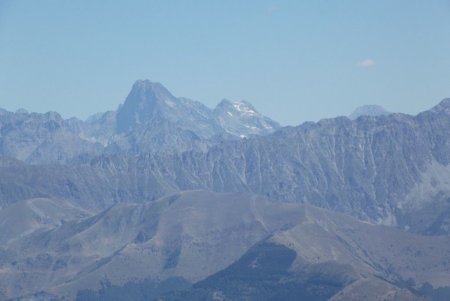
[[147, 84], [3, 111], [241, 107], [224, 102], [150, 102], [368, 110], [145, 101], [241, 119], [149, 91], [443, 106]]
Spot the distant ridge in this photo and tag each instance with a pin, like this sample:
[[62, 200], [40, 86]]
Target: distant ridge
[[150, 120], [81, 217], [150, 101], [369, 110]]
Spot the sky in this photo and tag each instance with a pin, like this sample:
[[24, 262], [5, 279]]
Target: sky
[[295, 61]]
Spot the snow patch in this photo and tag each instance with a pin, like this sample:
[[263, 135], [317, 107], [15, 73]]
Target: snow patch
[[170, 103], [243, 108], [251, 127], [267, 126]]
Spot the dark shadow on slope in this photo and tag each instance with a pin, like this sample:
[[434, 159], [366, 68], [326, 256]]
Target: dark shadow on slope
[[136, 291], [263, 274]]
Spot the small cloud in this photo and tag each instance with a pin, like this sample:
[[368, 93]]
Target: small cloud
[[272, 9], [367, 63]]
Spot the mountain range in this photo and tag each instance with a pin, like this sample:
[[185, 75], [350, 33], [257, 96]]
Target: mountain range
[[167, 199], [195, 245], [150, 120]]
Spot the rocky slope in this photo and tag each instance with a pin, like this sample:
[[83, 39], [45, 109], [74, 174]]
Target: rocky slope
[[150, 120], [34, 137], [189, 235], [240, 118], [238, 246], [99, 209], [390, 169]]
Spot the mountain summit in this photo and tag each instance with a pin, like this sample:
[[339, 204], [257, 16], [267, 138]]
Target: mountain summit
[[443, 106], [150, 198], [240, 118], [150, 120], [150, 102], [145, 101], [368, 110]]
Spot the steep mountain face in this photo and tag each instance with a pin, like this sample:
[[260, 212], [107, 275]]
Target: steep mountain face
[[34, 137], [238, 246], [96, 222], [389, 169], [162, 136], [101, 127], [148, 103], [369, 110], [151, 120]]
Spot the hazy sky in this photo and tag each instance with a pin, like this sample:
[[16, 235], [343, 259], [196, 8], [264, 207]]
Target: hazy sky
[[294, 60]]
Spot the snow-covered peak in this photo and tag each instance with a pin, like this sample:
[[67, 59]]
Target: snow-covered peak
[[244, 108], [234, 108], [149, 104], [241, 119]]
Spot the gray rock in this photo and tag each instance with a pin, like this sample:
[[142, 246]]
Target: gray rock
[[196, 234], [381, 169], [240, 118], [150, 120], [368, 110]]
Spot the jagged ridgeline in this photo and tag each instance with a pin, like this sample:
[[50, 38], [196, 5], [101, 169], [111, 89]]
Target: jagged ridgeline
[[150, 120], [385, 169], [167, 199]]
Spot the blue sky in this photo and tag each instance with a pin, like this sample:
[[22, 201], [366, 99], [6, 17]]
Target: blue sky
[[294, 60]]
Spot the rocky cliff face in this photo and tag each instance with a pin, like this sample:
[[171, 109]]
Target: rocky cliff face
[[382, 169], [34, 137], [149, 103], [150, 120], [91, 224], [241, 119]]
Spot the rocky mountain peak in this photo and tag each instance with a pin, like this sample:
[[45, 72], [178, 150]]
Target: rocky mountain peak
[[224, 103], [241, 107], [145, 100], [369, 110], [149, 103], [149, 90], [443, 106], [240, 118], [54, 116], [3, 112]]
